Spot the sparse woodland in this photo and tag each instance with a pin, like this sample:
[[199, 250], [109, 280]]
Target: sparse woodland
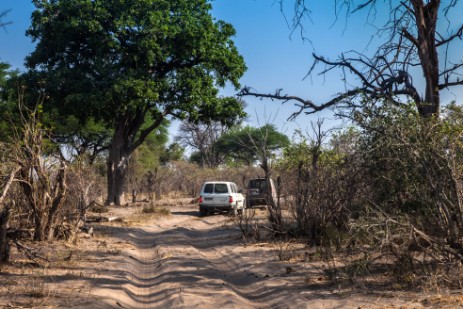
[[385, 191]]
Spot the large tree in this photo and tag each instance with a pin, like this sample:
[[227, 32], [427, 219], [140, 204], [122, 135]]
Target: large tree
[[417, 34], [248, 145], [124, 62]]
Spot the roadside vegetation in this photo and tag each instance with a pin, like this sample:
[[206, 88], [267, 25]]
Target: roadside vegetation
[[383, 194]]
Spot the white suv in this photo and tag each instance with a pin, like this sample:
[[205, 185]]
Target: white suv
[[220, 196]]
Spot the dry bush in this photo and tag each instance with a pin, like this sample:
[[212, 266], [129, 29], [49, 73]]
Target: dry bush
[[414, 209], [391, 190], [85, 191], [323, 200], [249, 225], [320, 186], [40, 188], [42, 174], [8, 171], [186, 178]]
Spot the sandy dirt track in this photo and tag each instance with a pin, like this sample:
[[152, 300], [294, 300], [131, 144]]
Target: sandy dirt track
[[186, 261]]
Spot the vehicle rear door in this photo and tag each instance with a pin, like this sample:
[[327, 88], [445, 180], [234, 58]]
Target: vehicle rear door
[[238, 197], [216, 194]]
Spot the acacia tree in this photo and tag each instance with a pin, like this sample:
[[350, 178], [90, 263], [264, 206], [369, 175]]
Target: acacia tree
[[413, 38], [248, 145], [87, 140], [126, 62]]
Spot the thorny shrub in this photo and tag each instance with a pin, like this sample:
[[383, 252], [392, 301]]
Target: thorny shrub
[[389, 188], [414, 210], [318, 187]]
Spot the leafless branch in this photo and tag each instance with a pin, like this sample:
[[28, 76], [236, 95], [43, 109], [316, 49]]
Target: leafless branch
[[412, 39], [458, 34], [8, 183], [2, 15], [450, 84]]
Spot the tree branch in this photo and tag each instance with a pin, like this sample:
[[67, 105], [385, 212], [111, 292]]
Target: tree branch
[[306, 104], [10, 180], [144, 133], [343, 63], [458, 34], [450, 84]]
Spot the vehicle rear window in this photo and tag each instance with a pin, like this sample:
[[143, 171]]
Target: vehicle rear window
[[221, 188], [260, 184], [209, 188]]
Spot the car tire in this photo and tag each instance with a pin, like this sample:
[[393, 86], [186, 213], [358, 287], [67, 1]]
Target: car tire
[[202, 212]]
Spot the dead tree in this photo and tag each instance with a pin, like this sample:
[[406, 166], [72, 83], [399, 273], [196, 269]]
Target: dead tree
[[413, 41], [43, 185]]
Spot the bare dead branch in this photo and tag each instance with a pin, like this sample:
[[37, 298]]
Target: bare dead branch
[[412, 41], [346, 63], [450, 84], [363, 5], [8, 183], [458, 34], [451, 70], [3, 15], [29, 252]]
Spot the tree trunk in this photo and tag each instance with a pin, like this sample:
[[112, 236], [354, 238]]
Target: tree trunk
[[274, 209], [4, 244], [426, 21], [150, 184], [57, 202], [117, 167], [39, 226], [157, 185], [127, 137]]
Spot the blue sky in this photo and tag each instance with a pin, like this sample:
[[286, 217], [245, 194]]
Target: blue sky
[[275, 58]]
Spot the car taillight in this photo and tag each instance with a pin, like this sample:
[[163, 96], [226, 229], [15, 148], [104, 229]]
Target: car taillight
[[231, 199], [200, 200]]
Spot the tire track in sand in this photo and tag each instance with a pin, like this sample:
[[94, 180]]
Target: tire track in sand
[[185, 261]]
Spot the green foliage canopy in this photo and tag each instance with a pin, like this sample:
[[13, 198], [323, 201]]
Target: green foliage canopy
[[111, 60], [249, 144], [123, 63], [9, 114]]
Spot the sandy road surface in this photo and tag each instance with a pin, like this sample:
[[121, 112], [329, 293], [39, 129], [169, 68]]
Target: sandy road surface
[[187, 261]]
